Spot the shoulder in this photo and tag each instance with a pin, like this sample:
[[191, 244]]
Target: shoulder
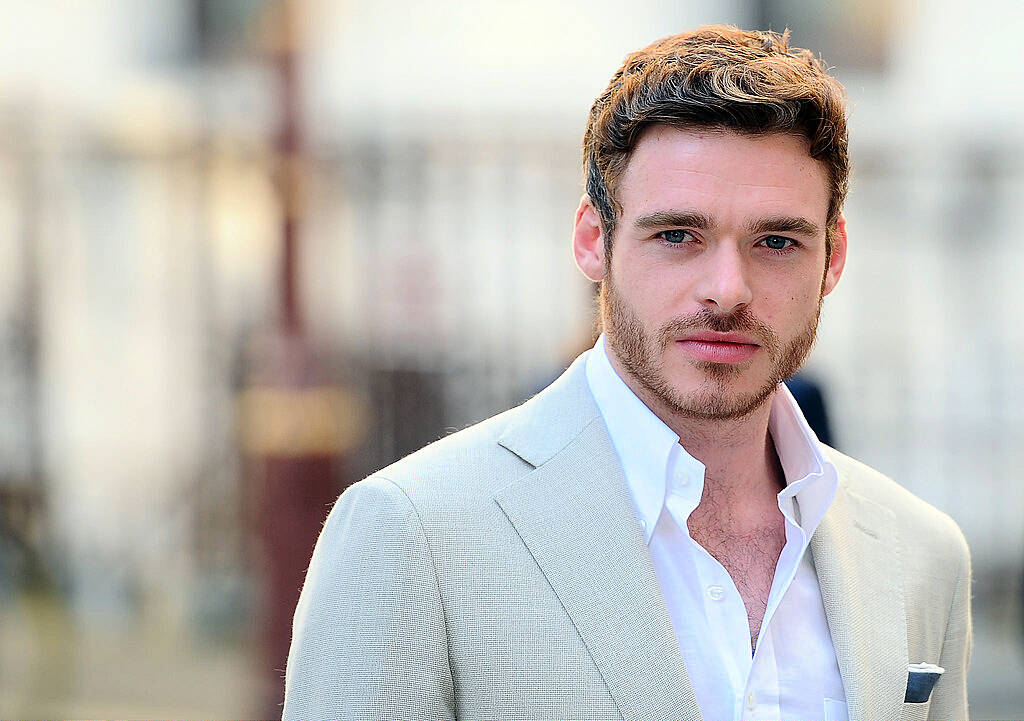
[[480, 460], [921, 525], [443, 495], [468, 461]]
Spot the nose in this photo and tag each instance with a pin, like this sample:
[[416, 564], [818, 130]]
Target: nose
[[724, 283]]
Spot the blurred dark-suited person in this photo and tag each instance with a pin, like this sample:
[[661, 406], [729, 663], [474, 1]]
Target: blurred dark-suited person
[[658, 534], [811, 399]]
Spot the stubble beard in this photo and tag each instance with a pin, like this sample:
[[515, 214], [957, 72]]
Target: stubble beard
[[641, 355]]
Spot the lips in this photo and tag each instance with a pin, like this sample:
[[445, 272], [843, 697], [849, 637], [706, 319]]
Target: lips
[[713, 347]]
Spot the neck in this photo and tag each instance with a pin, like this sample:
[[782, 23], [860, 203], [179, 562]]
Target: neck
[[742, 475]]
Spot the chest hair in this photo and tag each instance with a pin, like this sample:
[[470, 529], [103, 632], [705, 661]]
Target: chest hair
[[749, 558]]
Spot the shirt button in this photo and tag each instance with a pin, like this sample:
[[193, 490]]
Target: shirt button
[[751, 701], [643, 526], [716, 593]]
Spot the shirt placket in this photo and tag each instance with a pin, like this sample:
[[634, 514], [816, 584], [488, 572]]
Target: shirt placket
[[761, 693], [723, 605], [727, 619]]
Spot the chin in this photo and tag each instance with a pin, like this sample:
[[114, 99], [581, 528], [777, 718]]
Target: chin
[[718, 397], [717, 407]]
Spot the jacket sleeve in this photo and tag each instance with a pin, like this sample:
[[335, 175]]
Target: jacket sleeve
[[369, 638], [949, 698]]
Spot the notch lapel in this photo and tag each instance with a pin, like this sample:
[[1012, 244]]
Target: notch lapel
[[575, 514], [856, 554]]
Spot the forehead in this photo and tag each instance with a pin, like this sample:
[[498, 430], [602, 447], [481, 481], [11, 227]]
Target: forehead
[[723, 173]]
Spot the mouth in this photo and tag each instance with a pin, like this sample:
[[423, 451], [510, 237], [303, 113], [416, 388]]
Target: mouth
[[712, 347]]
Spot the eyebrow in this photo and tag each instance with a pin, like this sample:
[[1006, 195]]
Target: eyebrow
[[668, 218], [784, 224], [702, 221]]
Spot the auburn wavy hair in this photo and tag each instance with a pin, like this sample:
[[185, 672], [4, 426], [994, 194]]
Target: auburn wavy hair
[[716, 77]]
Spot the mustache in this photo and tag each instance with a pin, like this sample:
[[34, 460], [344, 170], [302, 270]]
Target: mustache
[[741, 321]]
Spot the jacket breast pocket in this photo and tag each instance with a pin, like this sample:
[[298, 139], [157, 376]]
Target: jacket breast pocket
[[915, 711]]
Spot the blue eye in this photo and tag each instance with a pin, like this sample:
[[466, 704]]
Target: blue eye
[[676, 236], [777, 242]]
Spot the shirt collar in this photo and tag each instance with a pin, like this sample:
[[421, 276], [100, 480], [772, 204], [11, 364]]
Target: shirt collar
[[654, 462], [647, 448], [811, 478]]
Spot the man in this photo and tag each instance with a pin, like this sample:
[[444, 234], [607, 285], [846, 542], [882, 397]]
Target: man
[[658, 534]]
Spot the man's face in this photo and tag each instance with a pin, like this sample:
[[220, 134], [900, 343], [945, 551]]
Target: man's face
[[713, 290]]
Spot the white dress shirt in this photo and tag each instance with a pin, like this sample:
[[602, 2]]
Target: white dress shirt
[[793, 675]]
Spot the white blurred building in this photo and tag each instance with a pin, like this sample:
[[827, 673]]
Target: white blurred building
[[443, 174]]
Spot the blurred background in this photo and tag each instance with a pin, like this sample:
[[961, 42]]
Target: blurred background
[[251, 250]]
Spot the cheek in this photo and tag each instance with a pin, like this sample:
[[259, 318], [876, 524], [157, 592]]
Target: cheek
[[785, 306], [652, 293], [796, 287]]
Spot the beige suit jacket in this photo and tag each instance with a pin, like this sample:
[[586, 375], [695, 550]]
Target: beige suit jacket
[[501, 573]]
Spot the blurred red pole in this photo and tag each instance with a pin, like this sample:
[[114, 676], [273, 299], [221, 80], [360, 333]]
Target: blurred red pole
[[296, 425], [288, 150]]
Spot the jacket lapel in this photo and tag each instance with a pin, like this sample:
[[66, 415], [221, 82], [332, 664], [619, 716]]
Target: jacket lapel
[[574, 513], [857, 558]]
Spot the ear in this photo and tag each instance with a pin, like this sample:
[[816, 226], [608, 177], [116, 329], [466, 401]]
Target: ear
[[837, 262], [588, 241]]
